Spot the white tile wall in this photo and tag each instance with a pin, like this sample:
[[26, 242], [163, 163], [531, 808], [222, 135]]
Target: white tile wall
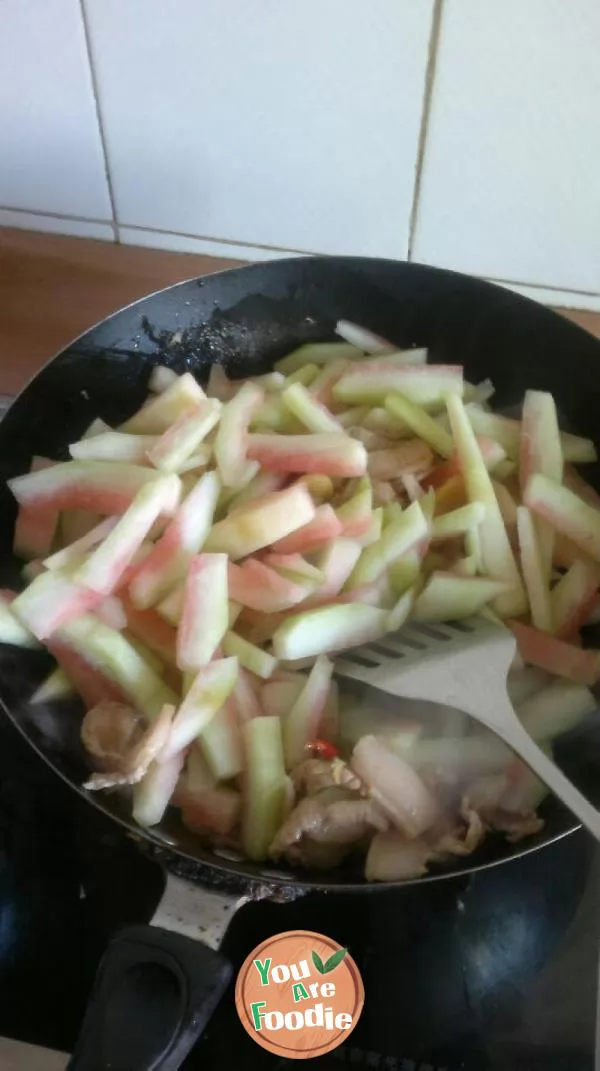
[[50, 151], [260, 128], [264, 121], [511, 180]]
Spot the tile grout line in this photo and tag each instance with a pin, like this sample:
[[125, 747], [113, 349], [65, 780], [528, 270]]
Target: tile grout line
[[250, 245], [538, 286], [432, 52], [156, 230], [88, 46], [54, 215], [222, 241]]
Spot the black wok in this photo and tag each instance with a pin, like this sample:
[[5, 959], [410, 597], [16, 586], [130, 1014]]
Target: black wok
[[247, 318]]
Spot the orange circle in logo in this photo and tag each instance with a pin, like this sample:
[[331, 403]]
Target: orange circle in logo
[[299, 994]]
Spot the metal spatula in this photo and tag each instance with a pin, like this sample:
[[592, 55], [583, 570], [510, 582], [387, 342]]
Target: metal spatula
[[463, 664]]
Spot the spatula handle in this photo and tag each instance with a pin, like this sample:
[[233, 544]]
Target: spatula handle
[[520, 741]]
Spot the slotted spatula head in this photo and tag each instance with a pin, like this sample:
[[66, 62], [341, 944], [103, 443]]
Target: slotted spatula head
[[461, 664]]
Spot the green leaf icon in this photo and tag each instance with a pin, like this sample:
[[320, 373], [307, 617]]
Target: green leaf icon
[[334, 960], [318, 962]]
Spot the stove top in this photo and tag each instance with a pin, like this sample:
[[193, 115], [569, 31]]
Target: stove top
[[487, 972]]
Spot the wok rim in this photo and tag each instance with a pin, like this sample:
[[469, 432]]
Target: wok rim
[[220, 865]]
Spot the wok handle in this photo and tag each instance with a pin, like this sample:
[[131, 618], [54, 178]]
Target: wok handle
[[154, 993]]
